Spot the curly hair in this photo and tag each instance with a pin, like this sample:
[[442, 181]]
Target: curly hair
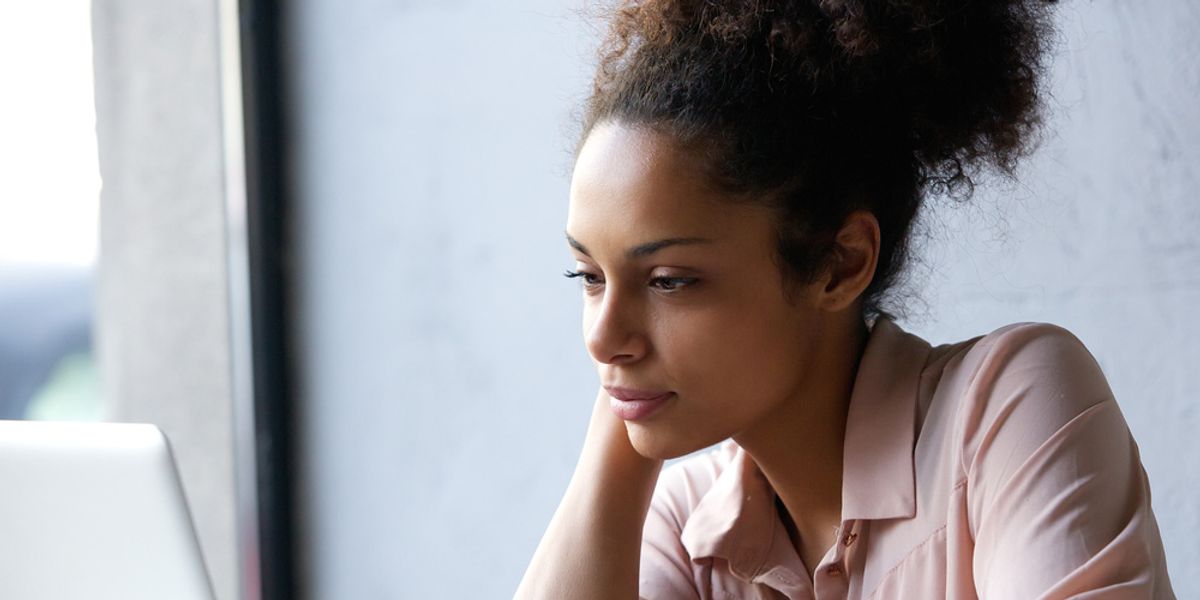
[[822, 107]]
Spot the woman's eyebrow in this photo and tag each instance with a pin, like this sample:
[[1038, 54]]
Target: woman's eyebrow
[[651, 247], [643, 250]]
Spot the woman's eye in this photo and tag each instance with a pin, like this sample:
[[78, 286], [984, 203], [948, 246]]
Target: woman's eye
[[671, 284], [588, 279]]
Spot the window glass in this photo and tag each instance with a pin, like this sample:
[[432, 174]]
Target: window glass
[[49, 212]]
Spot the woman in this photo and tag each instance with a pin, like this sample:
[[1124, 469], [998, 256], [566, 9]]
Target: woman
[[740, 207]]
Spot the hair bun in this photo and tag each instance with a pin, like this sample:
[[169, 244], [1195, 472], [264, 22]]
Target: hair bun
[[957, 79], [966, 73], [821, 107]]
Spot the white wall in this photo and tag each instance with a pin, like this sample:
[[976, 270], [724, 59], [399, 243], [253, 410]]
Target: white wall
[[444, 386]]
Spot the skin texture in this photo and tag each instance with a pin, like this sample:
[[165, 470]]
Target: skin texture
[[709, 321]]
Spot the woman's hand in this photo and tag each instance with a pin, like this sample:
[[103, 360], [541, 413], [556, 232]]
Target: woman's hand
[[593, 544], [608, 442]]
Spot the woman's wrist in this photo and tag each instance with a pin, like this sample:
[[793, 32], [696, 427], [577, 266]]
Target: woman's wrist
[[591, 547], [608, 440], [611, 473]]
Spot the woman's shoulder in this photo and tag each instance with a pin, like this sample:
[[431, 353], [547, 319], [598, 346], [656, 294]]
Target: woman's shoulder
[[1029, 353], [1024, 353], [999, 342], [1054, 486], [1021, 383], [1027, 331]]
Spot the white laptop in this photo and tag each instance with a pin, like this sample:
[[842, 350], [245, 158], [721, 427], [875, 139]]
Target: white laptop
[[94, 511]]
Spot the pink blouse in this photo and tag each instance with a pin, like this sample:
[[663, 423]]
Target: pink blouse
[[999, 468]]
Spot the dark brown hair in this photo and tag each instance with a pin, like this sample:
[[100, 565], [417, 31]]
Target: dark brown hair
[[823, 107]]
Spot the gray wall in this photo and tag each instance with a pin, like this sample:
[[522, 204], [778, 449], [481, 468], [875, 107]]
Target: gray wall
[[444, 389], [444, 385], [162, 310]]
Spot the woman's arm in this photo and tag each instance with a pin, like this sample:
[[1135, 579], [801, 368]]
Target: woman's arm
[[592, 547], [1059, 501]]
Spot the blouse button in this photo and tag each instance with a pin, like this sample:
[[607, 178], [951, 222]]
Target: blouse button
[[834, 570], [849, 539]]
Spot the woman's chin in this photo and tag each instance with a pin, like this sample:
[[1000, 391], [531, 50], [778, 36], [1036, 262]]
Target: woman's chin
[[663, 445]]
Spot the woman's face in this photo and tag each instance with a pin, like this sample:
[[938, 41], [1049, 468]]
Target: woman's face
[[683, 294]]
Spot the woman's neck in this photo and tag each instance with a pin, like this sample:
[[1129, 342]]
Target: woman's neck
[[799, 447]]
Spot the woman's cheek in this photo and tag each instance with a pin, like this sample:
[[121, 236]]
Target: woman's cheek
[[715, 351]]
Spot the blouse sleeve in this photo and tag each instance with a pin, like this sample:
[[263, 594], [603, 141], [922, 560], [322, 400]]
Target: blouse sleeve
[[1058, 500]]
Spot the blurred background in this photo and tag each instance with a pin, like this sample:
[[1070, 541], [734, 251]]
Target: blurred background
[[49, 212], [320, 244]]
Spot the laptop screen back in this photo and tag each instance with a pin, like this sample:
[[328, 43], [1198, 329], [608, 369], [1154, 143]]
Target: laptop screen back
[[94, 510]]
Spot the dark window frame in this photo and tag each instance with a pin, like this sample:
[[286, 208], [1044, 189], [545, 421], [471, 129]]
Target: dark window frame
[[273, 553]]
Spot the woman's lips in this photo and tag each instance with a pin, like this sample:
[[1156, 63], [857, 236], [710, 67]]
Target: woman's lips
[[633, 405]]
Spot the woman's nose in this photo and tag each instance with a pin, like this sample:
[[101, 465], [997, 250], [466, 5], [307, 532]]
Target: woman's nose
[[613, 332]]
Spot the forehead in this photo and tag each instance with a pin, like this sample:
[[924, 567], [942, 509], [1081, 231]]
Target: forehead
[[632, 183]]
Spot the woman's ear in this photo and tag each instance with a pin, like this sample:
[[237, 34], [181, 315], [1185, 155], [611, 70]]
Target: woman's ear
[[852, 267]]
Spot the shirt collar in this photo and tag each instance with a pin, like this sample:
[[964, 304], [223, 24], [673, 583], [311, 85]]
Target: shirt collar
[[736, 520], [878, 475]]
